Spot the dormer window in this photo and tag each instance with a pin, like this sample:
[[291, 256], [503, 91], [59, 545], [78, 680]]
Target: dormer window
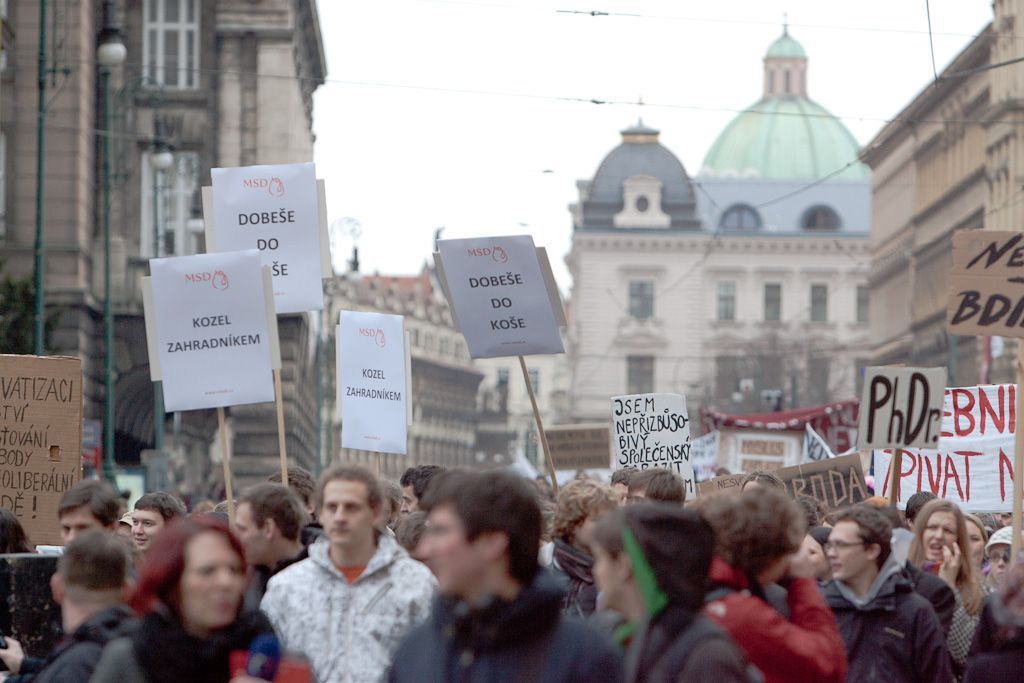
[[820, 217], [641, 204]]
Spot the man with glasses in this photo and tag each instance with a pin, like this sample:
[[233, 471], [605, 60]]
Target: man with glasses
[[997, 550], [891, 633]]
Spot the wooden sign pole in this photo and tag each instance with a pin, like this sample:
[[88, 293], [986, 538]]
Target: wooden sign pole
[[226, 460], [540, 425], [1018, 454], [895, 469], [281, 445]]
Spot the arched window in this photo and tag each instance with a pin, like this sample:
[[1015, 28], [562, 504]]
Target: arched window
[[740, 217], [820, 217]]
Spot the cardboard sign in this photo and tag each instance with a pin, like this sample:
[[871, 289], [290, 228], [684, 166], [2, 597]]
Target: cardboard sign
[[211, 339], [727, 483], [40, 439], [275, 209], [835, 483], [986, 290], [499, 296], [652, 430], [372, 390], [973, 464], [704, 455], [580, 447], [901, 407], [815, 448]]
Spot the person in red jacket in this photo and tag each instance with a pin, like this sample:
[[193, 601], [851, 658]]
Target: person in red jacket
[[757, 543]]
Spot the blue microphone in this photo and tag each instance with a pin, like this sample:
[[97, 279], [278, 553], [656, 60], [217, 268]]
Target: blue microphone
[[264, 657]]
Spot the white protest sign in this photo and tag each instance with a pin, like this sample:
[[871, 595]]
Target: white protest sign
[[275, 209], [652, 430], [214, 343], [372, 390], [973, 464], [901, 407], [815, 448], [499, 296], [704, 455]]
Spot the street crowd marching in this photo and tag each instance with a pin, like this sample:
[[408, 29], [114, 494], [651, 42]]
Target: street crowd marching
[[458, 575]]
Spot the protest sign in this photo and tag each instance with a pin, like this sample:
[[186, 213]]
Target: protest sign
[[275, 209], [834, 483], [580, 447], [986, 291], [815, 448], [973, 464], [499, 296], [901, 407], [652, 430], [40, 439], [727, 483], [372, 390], [704, 455], [211, 338]]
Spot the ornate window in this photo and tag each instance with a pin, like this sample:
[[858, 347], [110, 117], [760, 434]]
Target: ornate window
[[726, 309], [170, 42], [820, 217], [740, 217], [641, 299]]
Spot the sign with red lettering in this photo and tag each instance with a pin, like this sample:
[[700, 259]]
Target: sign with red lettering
[[973, 463], [986, 293], [901, 407]]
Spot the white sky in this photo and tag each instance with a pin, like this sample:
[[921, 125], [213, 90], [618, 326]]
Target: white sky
[[444, 112]]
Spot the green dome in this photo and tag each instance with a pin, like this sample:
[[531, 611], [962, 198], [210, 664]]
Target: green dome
[[786, 47], [784, 138]]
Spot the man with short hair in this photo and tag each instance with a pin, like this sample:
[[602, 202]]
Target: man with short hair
[[657, 484], [268, 522], [499, 616], [151, 514], [620, 482], [414, 482], [301, 482], [372, 590], [914, 505], [89, 504], [90, 586], [891, 633]]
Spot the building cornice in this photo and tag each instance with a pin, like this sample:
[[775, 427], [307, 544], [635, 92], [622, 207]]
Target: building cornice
[[733, 244]]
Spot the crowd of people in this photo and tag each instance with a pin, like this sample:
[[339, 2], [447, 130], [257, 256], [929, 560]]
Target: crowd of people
[[458, 575]]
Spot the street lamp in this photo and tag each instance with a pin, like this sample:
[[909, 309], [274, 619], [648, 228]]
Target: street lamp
[[160, 159], [111, 52]]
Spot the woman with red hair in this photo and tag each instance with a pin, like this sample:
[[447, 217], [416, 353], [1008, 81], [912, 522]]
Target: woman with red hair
[[189, 602]]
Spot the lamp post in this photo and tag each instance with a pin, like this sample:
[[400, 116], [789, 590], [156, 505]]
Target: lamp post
[[39, 276], [111, 52], [160, 160]]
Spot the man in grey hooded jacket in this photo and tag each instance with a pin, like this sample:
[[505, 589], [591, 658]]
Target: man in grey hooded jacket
[[348, 606], [891, 633]]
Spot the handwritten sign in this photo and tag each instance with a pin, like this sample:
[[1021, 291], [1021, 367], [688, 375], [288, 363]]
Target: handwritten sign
[[986, 290], [274, 209], [704, 455], [727, 483], [835, 483], [973, 464], [40, 439], [815, 448], [372, 391], [901, 407], [210, 335], [580, 447], [499, 296], [652, 430]]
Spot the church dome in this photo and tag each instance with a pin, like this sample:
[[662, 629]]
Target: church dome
[[786, 135]]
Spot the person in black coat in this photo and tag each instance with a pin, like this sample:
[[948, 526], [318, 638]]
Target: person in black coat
[[90, 587], [997, 653], [498, 617]]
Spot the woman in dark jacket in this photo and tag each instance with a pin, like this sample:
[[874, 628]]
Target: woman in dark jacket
[[998, 650], [579, 504], [189, 600]]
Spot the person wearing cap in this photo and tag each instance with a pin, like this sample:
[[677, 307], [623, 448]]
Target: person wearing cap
[[997, 552]]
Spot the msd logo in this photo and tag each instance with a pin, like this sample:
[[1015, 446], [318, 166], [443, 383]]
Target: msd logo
[[273, 185], [374, 333], [497, 254], [218, 279]]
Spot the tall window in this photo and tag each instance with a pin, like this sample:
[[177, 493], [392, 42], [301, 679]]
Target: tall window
[[819, 303], [170, 42], [641, 299], [174, 193], [862, 303], [818, 370], [639, 374], [740, 217], [726, 301], [772, 301], [535, 380]]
